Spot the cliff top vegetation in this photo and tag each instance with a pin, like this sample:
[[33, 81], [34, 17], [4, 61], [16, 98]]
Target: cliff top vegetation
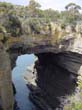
[[16, 20]]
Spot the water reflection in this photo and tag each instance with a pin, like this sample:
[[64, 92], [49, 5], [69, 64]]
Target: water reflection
[[22, 91]]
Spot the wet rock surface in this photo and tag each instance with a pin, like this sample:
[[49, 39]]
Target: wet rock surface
[[56, 72], [59, 52], [55, 81], [59, 62]]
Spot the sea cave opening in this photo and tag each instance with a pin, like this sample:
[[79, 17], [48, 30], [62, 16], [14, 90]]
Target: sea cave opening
[[21, 70], [54, 82]]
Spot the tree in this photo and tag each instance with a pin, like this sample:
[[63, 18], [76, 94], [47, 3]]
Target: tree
[[33, 7], [73, 7], [51, 14], [33, 4], [72, 13], [13, 25], [5, 7]]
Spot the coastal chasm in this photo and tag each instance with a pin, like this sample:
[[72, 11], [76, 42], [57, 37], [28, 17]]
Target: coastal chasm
[[58, 67], [59, 64], [55, 80]]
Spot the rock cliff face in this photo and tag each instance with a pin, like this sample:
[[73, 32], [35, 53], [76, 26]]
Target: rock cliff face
[[55, 79], [58, 67], [59, 52], [59, 63]]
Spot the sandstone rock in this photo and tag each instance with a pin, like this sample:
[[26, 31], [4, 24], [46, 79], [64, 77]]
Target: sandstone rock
[[6, 92], [68, 29], [70, 61], [58, 66], [53, 78], [78, 28]]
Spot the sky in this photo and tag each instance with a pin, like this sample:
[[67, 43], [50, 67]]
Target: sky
[[54, 4]]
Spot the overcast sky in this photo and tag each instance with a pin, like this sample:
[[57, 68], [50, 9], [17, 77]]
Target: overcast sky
[[55, 4]]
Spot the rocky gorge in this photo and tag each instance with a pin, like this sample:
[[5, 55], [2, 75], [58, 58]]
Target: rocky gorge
[[58, 68]]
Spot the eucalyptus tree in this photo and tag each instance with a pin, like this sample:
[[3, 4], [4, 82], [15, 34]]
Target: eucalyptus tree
[[72, 7], [72, 13], [33, 8]]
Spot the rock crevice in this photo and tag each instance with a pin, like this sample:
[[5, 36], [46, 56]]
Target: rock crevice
[[56, 78]]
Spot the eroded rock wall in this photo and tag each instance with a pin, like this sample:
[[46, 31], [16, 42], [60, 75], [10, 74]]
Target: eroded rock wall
[[6, 91], [57, 76]]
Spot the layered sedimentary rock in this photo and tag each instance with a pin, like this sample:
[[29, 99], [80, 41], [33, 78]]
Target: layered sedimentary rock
[[59, 51], [57, 71], [55, 81], [6, 91]]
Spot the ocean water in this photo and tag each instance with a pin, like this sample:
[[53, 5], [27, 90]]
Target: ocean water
[[22, 94]]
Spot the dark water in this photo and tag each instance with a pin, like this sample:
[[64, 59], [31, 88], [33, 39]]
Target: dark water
[[22, 91]]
